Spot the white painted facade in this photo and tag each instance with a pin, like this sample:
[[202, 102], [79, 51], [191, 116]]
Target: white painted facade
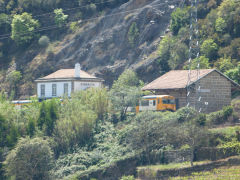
[[49, 89], [82, 85], [63, 82]]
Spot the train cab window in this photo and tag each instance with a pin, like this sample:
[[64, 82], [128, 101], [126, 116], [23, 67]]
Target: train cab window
[[165, 101], [145, 103], [171, 101], [154, 103]]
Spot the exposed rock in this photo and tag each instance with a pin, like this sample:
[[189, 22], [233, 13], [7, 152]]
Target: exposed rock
[[103, 48]]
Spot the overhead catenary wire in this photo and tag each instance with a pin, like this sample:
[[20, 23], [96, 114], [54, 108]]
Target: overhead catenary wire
[[194, 53], [5, 36]]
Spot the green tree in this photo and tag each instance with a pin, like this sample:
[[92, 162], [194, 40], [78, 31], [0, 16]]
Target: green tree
[[179, 55], [75, 125], [3, 131], [52, 116], [220, 25], [234, 74], [203, 62], [44, 41], [127, 178], [5, 23], [209, 49], [48, 114], [224, 64], [31, 128], [125, 92], [13, 79], [30, 159], [42, 115], [133, 33], [60, 17], [164, 52], [179, 18], [189, 129], [147, 132], [23, 27]]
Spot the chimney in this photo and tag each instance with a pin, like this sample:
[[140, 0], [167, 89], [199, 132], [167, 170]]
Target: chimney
[[77, 70]]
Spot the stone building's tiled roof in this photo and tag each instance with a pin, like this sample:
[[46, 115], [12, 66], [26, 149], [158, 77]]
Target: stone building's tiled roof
[[175, 79], [66, 74]]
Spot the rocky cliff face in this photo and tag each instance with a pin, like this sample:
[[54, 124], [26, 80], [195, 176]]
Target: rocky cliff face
[[103, 48]]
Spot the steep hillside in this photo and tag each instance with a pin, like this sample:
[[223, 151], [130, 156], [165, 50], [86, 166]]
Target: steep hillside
[[126, 36]]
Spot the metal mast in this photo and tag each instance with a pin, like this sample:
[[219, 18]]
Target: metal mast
[[193, 94]]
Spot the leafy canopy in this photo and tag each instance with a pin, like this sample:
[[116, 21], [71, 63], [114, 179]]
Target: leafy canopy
[[30, 159], [125, 92], [209, 49], [133, 33], [179, 18], [60, 17], [23, 27]]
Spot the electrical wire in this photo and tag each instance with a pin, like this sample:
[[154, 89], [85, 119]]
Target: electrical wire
[[5, 36]]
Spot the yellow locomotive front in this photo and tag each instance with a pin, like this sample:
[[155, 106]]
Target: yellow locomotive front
[[156, 103]]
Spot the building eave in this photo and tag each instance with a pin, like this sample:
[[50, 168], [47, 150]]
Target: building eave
[[69, 79], [233, 82], [162, 89]]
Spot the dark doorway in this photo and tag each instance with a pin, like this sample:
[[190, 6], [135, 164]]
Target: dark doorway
[[177, 104]]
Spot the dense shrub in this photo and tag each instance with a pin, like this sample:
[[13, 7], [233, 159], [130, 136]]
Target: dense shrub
[[48, 114], [30, 159], [128, 178], [179, 18], [23, 27], [184, 114], [133, 33], [43, 41], [60, 17], [221, 116]]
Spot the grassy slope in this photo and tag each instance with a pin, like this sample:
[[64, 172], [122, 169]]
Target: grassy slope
[[222, 173]]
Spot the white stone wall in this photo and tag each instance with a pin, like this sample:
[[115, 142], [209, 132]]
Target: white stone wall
[[82, 85], [48, 89]]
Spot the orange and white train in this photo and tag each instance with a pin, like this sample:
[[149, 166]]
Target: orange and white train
[[156, 103]]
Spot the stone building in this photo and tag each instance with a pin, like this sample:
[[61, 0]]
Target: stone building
[[65, 81], [215, 88]]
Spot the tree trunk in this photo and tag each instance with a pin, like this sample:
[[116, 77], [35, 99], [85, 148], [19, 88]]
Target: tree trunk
[[192, 156]]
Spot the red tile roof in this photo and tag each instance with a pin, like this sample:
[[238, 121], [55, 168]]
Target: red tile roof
[[175, 79], [67, 73]]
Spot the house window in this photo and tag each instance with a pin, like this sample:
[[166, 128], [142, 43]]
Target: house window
[[65, 88], [54, 90], [42, 92]]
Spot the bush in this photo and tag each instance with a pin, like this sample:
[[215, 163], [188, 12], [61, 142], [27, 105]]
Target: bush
[[128, 178], [216, 117], [44, 41], [209, 48], [185, 114], [74, 26], [227, 111], [236, 106], [179, 18], [60, 17], [201, 119], [23, 27], [221, 116], [133, 33], [31, 159]]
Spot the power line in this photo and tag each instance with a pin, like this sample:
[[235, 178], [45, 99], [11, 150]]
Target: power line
[[64, 10], [5, 36]]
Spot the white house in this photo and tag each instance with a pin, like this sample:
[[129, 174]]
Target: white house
[[65, 81]]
